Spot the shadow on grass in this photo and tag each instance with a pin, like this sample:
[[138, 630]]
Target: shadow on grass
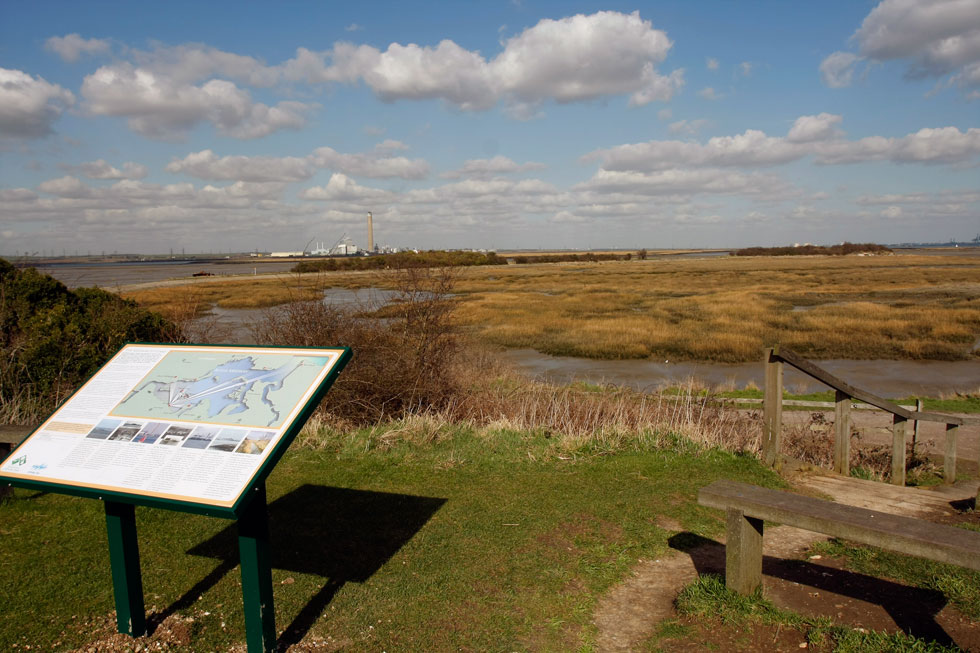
[[339, 534], [912, 609]]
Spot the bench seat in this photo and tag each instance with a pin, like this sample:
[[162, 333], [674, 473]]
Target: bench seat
[[749, 506]]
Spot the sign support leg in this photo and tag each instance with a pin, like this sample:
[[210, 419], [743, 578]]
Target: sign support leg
[[124, 558], [253, 549]]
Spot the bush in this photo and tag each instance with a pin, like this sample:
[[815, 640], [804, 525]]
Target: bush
[[53, 339], [403, 353], [400, 260], [843, 249]]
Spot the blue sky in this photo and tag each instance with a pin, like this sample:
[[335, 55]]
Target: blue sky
[[234, 126]]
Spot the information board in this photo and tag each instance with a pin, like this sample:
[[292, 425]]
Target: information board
[[193, 424]]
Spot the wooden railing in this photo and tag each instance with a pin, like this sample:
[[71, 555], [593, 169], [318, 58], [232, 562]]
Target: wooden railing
[[772, 409]]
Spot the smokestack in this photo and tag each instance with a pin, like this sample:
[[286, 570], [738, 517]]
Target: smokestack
[[370, 232]]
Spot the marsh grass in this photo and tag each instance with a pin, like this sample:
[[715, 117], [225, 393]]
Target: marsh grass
[[717, 309]]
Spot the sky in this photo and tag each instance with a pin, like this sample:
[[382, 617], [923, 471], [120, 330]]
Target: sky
[[241, 126]]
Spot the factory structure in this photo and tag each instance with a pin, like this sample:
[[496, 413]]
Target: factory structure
[[343, 247]]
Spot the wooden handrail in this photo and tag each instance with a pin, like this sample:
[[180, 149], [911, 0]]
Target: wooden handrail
[[827, 378], [845, 392]]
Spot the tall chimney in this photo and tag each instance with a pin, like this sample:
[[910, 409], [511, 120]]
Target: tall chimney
[[370, 232]]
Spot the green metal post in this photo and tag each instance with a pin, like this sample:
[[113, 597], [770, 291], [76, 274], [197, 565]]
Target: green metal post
[[253, 550], [124, 558]]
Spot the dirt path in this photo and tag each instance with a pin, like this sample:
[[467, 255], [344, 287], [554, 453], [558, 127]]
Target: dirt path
[[630, 613]]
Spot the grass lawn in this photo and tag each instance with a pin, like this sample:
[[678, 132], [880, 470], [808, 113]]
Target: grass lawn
[[483, 541]]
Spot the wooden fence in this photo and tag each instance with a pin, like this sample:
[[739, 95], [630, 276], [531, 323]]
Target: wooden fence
[[772, 408]]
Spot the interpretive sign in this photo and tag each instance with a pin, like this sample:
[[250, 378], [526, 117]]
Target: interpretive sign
[[196, 428], [191, 426]]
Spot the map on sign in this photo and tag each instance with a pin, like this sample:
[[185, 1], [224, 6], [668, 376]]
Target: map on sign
[[232, 389]]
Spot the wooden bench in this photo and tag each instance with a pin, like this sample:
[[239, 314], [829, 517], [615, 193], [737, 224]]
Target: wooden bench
[[748, 506]]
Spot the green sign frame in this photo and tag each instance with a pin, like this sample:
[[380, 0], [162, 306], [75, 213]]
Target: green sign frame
[[248, 508]]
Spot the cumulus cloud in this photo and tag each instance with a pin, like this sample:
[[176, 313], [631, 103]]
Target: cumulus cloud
[[378, 163], [688, 126], [166, 91], [100, 169], [71, 47], [708, 93], [837, 70], [933, 37], [573, 59], [159, 107], [686, 182], [821, 127], [711, 63], [485, 168], [816, 136], [375, 164], [943, 145], [208, 165], [344, 189], [29, 105]]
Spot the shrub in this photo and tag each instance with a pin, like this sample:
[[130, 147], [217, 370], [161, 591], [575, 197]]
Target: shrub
[[843, 249], [403, 353], [400, 260], [53, 339]]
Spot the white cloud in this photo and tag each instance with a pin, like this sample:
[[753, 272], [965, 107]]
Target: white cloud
[[353, 27], [686, 182], [485, 168], [821, 127], [207, 165], [100, 169], [29, 105], [194, 62], [891, 212], [665, 114], [711, 63], [71, 47], [67, 186], [816, 136], [585, 57], [159, 107], [942, 145], [745, 68], [708, 93], [573, 59], [837, 70], [933, 37], [752, 148], [343, 188], [375, 164], [688, 126]]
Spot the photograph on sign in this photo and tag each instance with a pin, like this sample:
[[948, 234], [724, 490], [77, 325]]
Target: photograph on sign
[[181, 422]]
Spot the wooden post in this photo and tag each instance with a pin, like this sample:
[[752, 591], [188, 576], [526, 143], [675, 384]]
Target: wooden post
[[898, 449], [743, 552], [772, 409], [842, 433], [919, 407], [124, 559], [949, 462], [256, 567]]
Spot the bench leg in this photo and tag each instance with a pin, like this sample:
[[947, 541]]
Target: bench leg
[[743, 552]]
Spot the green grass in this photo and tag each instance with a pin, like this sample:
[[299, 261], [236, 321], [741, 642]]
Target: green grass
[[471, 540], [960, 404], [960, 586], [709, 602]]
